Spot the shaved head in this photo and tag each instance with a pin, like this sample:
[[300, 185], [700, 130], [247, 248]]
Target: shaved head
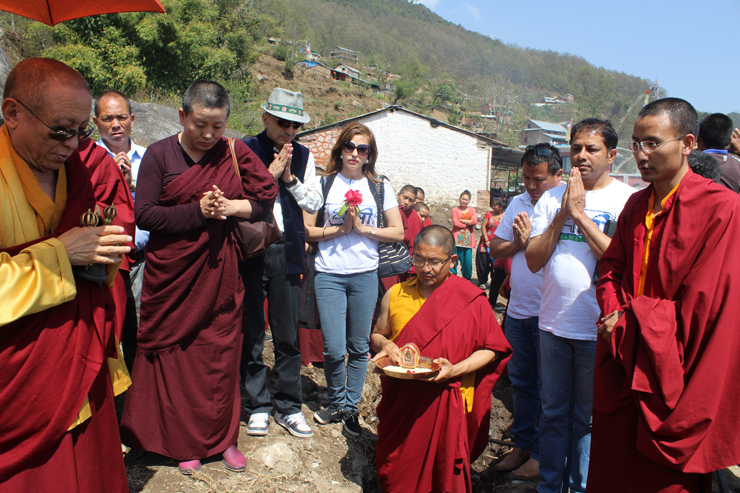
[[436, 236], [31, 79], [408, 188]]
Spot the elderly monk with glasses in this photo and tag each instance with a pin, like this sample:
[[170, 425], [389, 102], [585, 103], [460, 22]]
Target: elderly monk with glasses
[[59, 358], [431, 431]]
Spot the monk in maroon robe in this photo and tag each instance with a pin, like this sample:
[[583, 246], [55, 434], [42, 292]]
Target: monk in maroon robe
[[430, 431], [110, 188], [185, 400], [666, 404], [58, 429]]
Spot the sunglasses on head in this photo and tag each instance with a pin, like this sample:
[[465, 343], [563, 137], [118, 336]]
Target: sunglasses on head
[[362, 149], [62, 133], [543, 151], [287, 124]]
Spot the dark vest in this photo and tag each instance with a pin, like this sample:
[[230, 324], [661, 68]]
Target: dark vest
[[295, 233]]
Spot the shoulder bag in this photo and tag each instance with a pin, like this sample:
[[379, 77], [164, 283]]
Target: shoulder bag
[[253, 237], [393, 258]]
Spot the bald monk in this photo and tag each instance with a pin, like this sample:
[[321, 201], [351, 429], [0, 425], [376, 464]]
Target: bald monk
[[58, 357], [430, 431], [666, 404]]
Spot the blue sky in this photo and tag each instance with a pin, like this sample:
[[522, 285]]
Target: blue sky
[[692, 53]]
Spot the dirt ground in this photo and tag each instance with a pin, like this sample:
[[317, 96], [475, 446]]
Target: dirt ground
[[331, 461]]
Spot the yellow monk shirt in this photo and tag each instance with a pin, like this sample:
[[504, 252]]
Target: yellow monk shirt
[[405, 300], [40, 276]]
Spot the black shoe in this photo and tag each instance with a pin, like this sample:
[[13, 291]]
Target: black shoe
[[352, 423], [329, 414]]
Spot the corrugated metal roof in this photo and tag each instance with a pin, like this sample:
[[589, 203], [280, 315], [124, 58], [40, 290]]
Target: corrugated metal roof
[[552, 127], [554, 136]]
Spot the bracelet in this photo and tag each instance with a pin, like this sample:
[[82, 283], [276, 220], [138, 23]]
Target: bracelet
[[323, 233]]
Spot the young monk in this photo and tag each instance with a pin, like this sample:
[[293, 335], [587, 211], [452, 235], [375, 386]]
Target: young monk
[[430, 431]]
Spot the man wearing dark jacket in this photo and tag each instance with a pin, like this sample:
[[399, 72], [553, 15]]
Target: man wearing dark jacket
[[276, 275]]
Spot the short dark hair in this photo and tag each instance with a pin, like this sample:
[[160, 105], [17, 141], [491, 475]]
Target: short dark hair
[[537, 154], [108, 94], [602, 127], [408, 188], [682, 115], [705, 165], [498, 200], [715, 131], [436, 235], [421, 206], [419, 189], [206, 93]]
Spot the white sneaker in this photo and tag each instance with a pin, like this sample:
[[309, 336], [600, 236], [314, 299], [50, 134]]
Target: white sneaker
[[258, 423], [295, 424]]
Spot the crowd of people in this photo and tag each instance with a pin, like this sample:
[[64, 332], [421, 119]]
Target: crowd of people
[[122, 270]]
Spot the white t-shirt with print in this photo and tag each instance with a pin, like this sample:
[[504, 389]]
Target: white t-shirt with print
[[351, 253], [526, 287], [568, 308]]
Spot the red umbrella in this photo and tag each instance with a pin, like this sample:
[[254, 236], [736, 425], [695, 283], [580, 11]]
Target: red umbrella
[[55, 11]]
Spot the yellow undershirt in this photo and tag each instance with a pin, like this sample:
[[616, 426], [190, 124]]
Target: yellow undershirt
[[39, 277], [405, 300], [650, 225]]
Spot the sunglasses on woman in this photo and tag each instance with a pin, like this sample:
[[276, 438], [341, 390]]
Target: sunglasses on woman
[[362, 149], [287, 124]]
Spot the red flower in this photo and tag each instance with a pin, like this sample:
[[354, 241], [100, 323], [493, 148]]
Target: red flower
[[353, 198]]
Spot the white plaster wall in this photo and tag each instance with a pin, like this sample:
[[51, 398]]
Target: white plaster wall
[[441, 161]]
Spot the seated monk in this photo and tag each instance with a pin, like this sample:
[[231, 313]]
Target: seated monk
[[431, 431], [58, 429]]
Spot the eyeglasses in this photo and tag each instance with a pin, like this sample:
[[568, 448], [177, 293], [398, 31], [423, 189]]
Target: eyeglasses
[[543, 151], [62, 133], [287, 124], [434, 264], [362, 149], [648, 146]]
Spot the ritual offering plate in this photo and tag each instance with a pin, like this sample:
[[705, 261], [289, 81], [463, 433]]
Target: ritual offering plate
[[411, 367]]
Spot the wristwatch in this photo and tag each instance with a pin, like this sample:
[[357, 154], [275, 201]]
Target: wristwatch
[[293, 182], [372, 232]]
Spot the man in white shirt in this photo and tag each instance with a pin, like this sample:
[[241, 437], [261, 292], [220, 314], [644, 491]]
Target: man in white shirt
[[541, 171], [114, 119], [568, 237], [277, 274]]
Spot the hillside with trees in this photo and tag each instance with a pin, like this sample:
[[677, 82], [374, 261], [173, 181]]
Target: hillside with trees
[[443, 68]]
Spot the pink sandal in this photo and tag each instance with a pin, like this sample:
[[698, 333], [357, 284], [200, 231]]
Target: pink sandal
[[188, 467], [234, 460]]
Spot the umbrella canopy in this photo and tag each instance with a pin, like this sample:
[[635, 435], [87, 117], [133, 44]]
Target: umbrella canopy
[[55, 11]]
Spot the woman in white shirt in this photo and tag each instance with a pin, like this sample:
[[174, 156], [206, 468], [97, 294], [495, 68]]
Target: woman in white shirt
[[346, 268]]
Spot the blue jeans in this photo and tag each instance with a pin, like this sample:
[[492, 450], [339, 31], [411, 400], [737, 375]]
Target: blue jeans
[[524, 372], [567, 402], [346, 305]]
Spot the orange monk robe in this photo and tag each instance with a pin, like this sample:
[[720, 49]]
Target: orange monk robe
[[429, 433], [58, 428], [666, 405]]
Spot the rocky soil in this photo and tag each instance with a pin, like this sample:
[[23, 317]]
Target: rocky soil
[[329, 462]]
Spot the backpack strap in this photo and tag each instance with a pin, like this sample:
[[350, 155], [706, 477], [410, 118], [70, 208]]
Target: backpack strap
[[378, 192], [326, 183]]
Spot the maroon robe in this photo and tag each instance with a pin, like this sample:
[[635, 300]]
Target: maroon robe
[[49, 363], [666, 404], [185, 401], [110, 188], [411, 227], [426, 440]]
